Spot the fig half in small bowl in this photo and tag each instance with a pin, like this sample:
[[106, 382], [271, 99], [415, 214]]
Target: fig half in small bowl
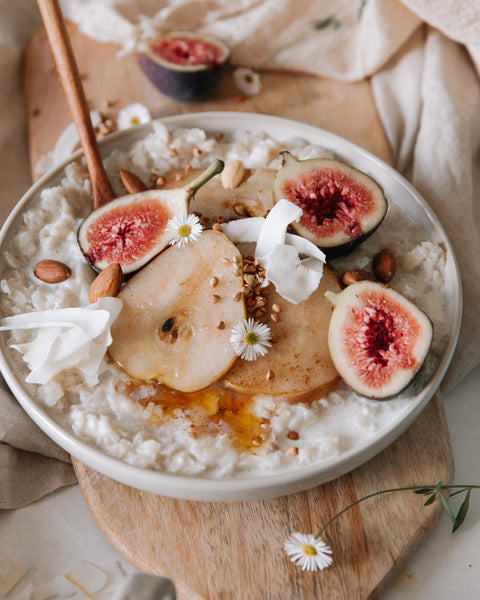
[[184, 65]]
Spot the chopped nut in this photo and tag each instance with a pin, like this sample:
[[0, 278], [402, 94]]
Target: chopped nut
[[275, 318], [219, 136], [247, 290], [196, 152], [293, 435], [384, 265], [214, 298], [188, 168], [224, 260], [275, 308], [270, 375], [237, 297], [237, 271], [272, 447], [159, 181], [213, 282], [173, 152], [178, 176], [239, 209], [217, 227], [221, 325], [249, 279], [292, 451], [221, 220]]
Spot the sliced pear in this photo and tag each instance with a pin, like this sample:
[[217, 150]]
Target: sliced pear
[[252, 198], [176, 319], [299, 362]]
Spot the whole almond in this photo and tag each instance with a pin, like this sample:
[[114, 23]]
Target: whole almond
[[52, 271], [131, 182], [232, 174], [107, 283], [384, 265], [354, 275]]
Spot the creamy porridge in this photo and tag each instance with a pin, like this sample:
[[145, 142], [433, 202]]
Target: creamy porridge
[[125, 420]]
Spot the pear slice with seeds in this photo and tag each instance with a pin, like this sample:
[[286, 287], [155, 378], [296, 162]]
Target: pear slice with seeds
[[298, 364], [169, 327]]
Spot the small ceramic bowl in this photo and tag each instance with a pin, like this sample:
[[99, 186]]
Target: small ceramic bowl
[[184, 65]]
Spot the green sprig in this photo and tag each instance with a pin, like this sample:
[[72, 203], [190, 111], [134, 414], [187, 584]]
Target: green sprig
[[434, 492]]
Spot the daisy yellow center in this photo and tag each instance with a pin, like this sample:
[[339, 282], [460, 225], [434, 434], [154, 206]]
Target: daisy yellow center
[[249, 78], [134, 120], [250, 338], [184, 230], [309, 550]]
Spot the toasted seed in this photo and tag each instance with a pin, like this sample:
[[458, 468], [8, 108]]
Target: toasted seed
[[270, 375], [224, 260], [292, 451], [196, 152], [159, 181], [217, 227], [249, 279], [272, 447], [239, 209], [214, 298], [237, 297], [275, 308], [188, 168], [293, 435], [213, 282], [221, 325], [173, 152], [275, 318]]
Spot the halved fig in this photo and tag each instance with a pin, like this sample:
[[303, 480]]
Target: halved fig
[[299, 362], [341, 205], [131, 230], [184, 65], [174, 327], [377, 338]]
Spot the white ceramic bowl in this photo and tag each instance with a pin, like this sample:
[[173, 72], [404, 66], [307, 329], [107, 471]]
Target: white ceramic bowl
[[399, 192]]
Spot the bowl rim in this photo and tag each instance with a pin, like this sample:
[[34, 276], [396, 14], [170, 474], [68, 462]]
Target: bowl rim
[[246, 487]]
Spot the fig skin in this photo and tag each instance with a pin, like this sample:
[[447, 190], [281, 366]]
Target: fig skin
[[326, 189], [185, 83], [378, 340]]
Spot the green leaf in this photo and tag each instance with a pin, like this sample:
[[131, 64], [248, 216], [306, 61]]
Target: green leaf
[[432, 498], [458, 492], [324, 23], [448, 510], [462, 512], [424, 491], [360, 10]]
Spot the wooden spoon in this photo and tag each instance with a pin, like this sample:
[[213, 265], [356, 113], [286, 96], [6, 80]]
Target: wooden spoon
[[72, 85]]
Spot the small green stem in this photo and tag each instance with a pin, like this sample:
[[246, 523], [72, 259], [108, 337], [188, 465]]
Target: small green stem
[[399, 489], [215, 167]]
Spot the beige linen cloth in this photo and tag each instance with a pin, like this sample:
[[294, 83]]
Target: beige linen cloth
[[423, 58]]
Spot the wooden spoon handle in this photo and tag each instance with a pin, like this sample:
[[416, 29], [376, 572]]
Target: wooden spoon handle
[[69, 75]]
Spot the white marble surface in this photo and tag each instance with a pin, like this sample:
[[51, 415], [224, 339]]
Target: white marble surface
[[52, 535]]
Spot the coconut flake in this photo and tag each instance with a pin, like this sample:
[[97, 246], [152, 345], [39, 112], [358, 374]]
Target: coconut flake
[[67, 337], [292, 263]]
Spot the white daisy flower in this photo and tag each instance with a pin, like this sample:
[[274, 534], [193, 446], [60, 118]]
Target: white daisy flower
[[247, 81], [132, 115], [308, 552], [250, 339], [184, 229]]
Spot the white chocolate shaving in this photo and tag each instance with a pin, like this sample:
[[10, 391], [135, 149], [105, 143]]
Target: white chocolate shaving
[[295, 278], [67, 337]]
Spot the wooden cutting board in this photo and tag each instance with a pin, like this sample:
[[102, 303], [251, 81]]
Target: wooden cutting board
[[235, 550]]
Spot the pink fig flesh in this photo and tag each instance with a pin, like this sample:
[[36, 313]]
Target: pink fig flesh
[[341, 205], [378, 339]]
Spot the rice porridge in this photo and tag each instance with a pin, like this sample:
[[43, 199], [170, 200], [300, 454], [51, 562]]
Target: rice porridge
[[124, 419]]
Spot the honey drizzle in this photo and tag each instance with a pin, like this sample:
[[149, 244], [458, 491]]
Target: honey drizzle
[[213, 410]]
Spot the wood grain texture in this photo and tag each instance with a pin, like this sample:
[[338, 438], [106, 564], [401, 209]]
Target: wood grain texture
[[234, 551]]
